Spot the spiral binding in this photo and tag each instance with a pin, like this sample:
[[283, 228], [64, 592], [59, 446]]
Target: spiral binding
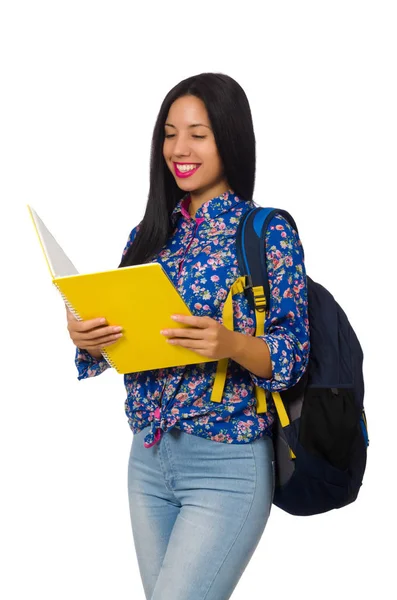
[[76, 314]]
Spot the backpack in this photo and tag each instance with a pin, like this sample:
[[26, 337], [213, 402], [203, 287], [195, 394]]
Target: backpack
[[320, 437]]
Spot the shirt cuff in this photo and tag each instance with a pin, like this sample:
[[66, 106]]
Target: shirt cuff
[[288, 363], [88, 366]]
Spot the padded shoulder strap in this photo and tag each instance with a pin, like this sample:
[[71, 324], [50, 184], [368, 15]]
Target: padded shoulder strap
[[251, 255]]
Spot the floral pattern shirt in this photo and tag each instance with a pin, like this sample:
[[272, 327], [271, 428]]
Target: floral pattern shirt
[[200, 258]]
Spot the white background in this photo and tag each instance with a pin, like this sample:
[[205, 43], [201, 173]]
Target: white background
[[81, 86]]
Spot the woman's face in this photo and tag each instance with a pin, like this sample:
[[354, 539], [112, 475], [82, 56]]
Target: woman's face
[[190, 151]]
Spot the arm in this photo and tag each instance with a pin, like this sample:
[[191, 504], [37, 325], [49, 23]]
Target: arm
[[283, 358], [92, 364], [252, 354]]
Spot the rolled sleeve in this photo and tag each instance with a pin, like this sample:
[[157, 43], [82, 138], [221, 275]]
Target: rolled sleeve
[[88, 366], [287, 322]]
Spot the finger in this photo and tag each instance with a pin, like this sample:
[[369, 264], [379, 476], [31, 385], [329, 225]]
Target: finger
[[200, 322], [97, 343], [108, 344], [102, 333], [193, 333], [105, 344], [106, 330], [90, 324], [186, 343]]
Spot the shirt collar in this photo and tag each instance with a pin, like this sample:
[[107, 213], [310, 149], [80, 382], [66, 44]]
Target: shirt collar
[[209, 210]]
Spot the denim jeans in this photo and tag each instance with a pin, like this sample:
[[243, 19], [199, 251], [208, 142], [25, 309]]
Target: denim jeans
[[198, 510]]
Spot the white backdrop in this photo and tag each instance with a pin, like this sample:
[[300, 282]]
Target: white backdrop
[[81, 86]]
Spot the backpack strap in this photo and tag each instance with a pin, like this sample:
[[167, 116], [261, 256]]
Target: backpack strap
[[228, 321], [251, 256]]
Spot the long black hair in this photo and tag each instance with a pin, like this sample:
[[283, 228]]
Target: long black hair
[[231, 121]]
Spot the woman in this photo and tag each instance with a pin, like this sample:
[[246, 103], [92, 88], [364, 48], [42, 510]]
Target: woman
[[201, 473]]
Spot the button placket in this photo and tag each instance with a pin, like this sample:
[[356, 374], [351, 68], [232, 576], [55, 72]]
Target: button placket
[[199, 220]]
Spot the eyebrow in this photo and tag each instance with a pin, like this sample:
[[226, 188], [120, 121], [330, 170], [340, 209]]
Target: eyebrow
[[189, 126]]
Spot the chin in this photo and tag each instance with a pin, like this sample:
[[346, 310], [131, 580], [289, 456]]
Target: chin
[[187, 186]]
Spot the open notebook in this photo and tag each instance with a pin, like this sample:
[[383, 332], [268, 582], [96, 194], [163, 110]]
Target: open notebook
[[141, 299]]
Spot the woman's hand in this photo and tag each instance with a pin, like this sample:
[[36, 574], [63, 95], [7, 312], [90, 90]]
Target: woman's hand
[[91, 335], [205, 336]]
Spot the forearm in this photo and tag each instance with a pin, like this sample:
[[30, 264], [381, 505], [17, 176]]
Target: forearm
[[252, 353]]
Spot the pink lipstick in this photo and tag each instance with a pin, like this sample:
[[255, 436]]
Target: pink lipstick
[[179, 173]]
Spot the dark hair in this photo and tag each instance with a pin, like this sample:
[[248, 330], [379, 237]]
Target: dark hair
[[231, 121]]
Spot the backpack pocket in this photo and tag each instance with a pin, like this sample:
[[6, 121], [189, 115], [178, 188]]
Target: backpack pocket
[[329, 424]]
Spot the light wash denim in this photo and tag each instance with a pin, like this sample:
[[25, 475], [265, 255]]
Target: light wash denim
[[198, 510]]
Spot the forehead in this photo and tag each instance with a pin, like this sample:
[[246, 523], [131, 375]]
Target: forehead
[[187, 110]]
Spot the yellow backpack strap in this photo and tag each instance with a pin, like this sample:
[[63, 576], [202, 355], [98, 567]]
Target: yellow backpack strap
[[282, 414], [260, 300], [261, 401], [228, 321], [260, 303]]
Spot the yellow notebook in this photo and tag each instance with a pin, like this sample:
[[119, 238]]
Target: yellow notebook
[[141, 299]]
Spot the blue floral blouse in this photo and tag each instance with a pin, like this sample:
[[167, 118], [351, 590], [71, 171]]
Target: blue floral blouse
[[200, 258]]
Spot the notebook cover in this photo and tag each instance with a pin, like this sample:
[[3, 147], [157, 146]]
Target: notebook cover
[[141, 299]]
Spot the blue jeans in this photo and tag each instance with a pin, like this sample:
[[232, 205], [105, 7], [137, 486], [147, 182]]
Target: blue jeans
[[198, 510]]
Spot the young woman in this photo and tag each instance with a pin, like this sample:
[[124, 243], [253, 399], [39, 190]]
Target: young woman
[[201, 473]]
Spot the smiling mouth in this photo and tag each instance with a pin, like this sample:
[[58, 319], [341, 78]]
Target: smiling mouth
[[185, 169]]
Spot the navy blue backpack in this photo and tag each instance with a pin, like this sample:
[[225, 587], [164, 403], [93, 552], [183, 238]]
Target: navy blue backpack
[[320, 437]]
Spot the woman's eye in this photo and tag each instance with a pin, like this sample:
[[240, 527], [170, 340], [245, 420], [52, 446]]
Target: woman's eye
[[171, 135]]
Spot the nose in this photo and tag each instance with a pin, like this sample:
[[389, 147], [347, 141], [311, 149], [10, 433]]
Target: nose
[[181, 147]]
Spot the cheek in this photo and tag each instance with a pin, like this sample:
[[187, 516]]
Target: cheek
[[167, 155], [210, 155], [213, 162]]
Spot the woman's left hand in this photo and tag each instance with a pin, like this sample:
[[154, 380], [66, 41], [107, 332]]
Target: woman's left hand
[[204, 336]]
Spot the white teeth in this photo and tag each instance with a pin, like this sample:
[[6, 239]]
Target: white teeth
[[186, 167]]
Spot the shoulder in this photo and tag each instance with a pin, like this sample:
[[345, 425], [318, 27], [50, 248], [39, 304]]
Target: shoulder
[[277, 223], [131, 237], [280, 223], [282, 241], [280, 229]]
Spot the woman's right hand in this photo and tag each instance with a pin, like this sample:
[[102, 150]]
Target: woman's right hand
[[91, 335]]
